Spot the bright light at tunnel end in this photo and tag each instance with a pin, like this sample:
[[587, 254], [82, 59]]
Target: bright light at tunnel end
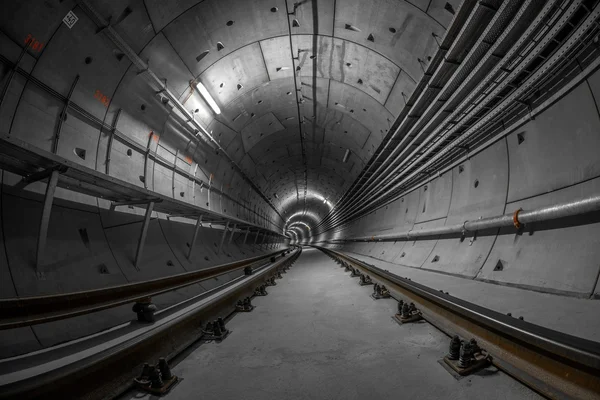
[[208, 98]]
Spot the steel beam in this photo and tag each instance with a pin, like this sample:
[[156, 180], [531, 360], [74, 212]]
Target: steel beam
[[38, 176], [256, 237], [45, 220], [223, 237], [246, 235], [63, 116], [111, 136], [143, 233], [113, 205], [12, 72], [232, 233], [194, 237]]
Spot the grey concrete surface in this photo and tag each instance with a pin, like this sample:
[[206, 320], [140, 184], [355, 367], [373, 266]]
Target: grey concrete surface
[[319, 335], [560, 313]]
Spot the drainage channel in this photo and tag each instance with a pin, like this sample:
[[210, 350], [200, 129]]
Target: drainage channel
[[554, 364]]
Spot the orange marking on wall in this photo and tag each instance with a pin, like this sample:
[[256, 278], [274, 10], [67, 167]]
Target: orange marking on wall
[[33, 43], [188, 159], [155, 137], [102, 98]]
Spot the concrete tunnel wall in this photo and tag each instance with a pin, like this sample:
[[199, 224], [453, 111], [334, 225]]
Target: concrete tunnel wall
[[556, 162], [88, 245]]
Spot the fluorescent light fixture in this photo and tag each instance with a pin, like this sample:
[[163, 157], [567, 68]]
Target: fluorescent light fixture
[[346, 156], [208, 98]]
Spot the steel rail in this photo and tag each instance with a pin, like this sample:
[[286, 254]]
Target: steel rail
[[555, 364], [503, 104], [108, 372], [27, 311]]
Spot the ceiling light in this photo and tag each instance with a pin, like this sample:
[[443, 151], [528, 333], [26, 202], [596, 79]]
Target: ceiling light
[[346, 156], [208, 98]]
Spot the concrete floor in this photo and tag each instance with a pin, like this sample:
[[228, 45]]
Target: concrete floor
[[319, 335]]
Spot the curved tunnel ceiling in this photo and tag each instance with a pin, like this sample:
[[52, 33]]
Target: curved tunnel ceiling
[[307, 90], [307, 97]]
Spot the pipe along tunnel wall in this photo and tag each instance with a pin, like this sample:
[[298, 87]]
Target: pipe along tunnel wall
[[551, 159]]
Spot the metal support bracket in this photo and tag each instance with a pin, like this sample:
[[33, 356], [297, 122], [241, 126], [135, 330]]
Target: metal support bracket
[[232, 233], [246, 235], [113, 205], [256, 237], [41, 175], [194, 237], [143, 234], [223, 237], [45, 220]]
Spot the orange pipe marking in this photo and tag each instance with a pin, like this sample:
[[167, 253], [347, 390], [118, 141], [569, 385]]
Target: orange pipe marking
[[516, 222]]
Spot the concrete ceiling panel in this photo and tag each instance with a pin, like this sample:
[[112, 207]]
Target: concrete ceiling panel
[[235, 74], [236, 149], [166, 64], [129, 19], [205, 25], [260, 128], [312, 16], [278, 59], [269, 97], [312, 88], [346, 62], [396, 29], [401, 92], [19, 19], [222, 133], [369, 112], [438, 11], [162, 12]]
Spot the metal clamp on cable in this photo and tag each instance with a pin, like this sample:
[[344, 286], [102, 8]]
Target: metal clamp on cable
[[516, 222]]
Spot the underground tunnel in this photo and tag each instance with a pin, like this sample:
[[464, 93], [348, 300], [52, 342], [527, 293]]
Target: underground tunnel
[[300, 199]]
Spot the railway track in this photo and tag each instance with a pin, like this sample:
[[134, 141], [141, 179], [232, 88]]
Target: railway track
[[556, 365], [105, 364]]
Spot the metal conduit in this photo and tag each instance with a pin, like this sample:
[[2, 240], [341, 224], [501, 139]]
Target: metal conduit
[[516, 219], [418, 128], [435, 144], [534, 26]]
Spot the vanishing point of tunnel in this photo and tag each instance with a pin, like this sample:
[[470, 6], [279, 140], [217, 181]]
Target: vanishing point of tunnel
[[300, 199]]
